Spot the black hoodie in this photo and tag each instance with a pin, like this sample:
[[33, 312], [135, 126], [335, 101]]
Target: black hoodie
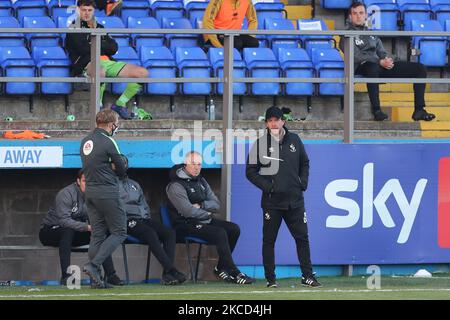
[[281, 173], [185, 190], [78, 45]]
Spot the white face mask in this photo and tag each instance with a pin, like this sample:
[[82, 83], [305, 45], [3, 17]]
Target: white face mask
[[115, 128]]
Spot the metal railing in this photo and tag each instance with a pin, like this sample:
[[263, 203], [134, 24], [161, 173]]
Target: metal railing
[[349, 80]]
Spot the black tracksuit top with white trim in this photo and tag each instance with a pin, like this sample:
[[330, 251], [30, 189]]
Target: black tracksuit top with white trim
[[98, 151], [284, 188]]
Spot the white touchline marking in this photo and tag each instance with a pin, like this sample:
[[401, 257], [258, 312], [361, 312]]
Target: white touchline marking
[[216, 292]]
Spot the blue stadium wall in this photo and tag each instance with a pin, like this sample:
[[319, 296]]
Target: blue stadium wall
[[368, 203]]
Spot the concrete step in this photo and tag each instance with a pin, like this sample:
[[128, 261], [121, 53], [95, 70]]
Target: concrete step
[[391, 87], [163, 129], [407, 99], [435, 129], [295, 12], [403, 114]]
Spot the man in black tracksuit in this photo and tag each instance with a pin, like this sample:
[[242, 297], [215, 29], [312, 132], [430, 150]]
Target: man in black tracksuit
[[279, 166], [373, 61], [149, 231], [191, 206], [66, 224], [103, 165]]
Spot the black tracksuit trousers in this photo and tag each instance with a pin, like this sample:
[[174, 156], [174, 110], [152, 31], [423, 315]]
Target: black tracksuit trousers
[[401, 69], [65, 239], [295, 220], [154, 233], [223, 234]]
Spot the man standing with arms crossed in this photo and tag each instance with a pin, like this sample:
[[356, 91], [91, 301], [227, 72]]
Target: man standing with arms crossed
[[279, 166], [102, 166]]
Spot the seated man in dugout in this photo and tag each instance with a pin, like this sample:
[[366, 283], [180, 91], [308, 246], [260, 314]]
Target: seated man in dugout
[[149, 231], [192, 205], [78, 45], [66, 225], [373, 61]]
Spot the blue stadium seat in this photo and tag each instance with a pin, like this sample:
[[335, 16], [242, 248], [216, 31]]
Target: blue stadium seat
[[17, 62], [134, 8], [277, 41], [328, 64], [179, 40], [10, 39], [133, 240], [52, 62], [41, 39], [160, 63], [414, 10], [272, 9], [6, 8], [193, 63], [195, 10], [383, 14], [167, 9], [165, 219], [216, 57], [148, 40], [65, 21], [262, 63], [110, 22], [441, 10], [433, 50], [295, 63], [30, 8], [125, 54], [262, 38], [61, 7], [336, 4], [310, 42]]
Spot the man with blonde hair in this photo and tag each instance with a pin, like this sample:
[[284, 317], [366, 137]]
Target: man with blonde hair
[[103, 164]]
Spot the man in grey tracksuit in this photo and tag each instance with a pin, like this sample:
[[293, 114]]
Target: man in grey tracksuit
[[373, 61], [66, 225], [103, 165], [149, 231]]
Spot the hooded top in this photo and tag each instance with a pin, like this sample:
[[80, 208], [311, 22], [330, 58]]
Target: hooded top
[[69, 210], [280, 169], [367, 48], [185, 190], [133, 198]]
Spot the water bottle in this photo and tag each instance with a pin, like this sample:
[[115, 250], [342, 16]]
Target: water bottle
[[212, 110], [134, 112]]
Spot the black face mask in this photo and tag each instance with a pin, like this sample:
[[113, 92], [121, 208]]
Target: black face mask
[[115, 128]]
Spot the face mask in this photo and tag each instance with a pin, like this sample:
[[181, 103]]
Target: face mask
[[115, 128]]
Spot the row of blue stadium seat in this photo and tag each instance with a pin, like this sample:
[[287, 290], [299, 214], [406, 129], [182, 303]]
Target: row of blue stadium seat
[[185, 62], [193, 10], [391, 15], [434, 53]]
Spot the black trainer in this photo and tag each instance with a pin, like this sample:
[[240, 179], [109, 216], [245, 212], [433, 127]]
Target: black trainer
[[179, 276], [311, 281], [93, 273], [242, 278], [379, 115], [114, 280], [222, 274], [168, 279], [422, 115], [272, 283]]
